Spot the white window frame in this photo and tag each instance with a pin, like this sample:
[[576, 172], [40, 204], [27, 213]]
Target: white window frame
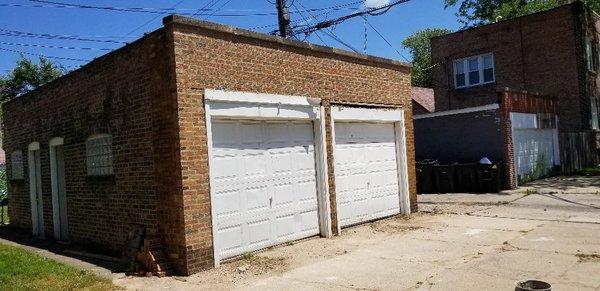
[[16, 163], [96, 171], [464, 62]]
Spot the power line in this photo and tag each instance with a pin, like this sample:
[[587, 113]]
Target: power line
[[144, 24], [336, 21], [326, 9], [330, 33], [52, 46], [219, 9], [306, 20], [16, 33], [45, 56], [153, 10], [385, 39]]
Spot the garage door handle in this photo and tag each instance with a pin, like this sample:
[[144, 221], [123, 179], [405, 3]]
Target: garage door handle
[[271, 202]]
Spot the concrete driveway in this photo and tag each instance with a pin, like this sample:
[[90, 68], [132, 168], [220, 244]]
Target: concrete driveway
[[549, 231]]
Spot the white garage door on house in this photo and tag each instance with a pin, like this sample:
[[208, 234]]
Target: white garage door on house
[[535, 142], [263, 171], [366, 171], [264, 182], [369, 164]]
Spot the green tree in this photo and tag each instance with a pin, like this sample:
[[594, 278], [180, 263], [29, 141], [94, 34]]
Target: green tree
[[478, 12], [419, 46], [27, 76]]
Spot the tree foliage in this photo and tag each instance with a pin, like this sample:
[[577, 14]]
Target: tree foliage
[[419, 46], [27, 76], [478, 12]]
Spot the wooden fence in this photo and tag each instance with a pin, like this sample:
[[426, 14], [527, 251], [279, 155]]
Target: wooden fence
[[577, 151]]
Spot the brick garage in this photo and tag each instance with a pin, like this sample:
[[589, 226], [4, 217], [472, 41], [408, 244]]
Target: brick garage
[[149, 97]]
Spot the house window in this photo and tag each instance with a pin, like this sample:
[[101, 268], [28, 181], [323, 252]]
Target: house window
[[99, 155], [479, 70], [460, 75], [16, 162]]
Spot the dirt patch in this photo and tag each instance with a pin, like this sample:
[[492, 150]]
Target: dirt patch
[[241, 270], [393, 225], [588, 258]]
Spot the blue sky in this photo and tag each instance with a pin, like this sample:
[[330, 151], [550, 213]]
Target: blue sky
[[107, 26]]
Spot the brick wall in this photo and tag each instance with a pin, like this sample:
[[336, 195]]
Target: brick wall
[[128, 94], [212, 57], [522, 102], [541, 53]]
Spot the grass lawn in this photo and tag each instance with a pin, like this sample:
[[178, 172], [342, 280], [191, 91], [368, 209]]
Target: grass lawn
[[23, 270]]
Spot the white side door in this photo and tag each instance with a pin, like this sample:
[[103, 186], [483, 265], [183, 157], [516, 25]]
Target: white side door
[[35, 189], [263, 182], [59, 192], [366, 171]]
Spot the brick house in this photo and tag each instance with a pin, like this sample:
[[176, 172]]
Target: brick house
[[550, 53], [217, 140]]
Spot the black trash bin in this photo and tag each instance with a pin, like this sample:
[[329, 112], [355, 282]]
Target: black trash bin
[[425, 176], [488, 178], [444, 178], [465, 178]]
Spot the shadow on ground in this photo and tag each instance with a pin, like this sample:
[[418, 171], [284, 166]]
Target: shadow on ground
[[69, 253], [567, 184]]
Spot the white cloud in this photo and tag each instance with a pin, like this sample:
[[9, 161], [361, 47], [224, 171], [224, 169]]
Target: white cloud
[[376, 3]]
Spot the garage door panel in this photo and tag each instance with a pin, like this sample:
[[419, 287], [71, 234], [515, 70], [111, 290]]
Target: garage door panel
[[267, 171], [259, 232], [384, 179], [256, 199], [227, 203], [366, 171], [230, 238], [222, 169]]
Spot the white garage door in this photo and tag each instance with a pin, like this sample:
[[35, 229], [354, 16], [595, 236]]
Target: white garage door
[[534, 151], [263, 180], [366, 172]]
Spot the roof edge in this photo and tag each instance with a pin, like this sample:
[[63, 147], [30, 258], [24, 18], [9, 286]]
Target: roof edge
[[211, 26], [576, 3]]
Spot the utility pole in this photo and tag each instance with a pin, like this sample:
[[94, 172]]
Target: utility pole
[[284, 19]]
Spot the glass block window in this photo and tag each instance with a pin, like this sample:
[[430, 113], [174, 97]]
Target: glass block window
[[99, 155], [16, 163]]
